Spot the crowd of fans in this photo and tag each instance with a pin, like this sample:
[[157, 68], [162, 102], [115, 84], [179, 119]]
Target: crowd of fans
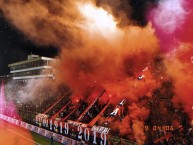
[[60, 103], [162, 113]]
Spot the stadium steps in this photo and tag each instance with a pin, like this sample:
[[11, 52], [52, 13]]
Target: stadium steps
[[57, 105], [55, 115], [92, 123], [90, 106], [66, 117], [44, 105]]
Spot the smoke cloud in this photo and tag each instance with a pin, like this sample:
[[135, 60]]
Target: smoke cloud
[[168, 19], [139, 134], [111, 65], [45, 22], [179, 67], [25, 91], [169, 15], [58, 22]]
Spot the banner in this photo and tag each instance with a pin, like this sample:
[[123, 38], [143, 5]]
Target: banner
[[23, 124], [49, 134], [66, 141], [57, 137], [29, 127], [42, 132]]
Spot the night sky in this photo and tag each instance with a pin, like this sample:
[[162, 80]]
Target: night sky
[[14, 46]]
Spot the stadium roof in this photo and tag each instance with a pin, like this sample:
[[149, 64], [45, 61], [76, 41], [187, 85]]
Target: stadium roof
[[30, 60]]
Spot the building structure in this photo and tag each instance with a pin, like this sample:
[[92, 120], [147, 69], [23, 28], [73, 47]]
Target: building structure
[[32, 68]]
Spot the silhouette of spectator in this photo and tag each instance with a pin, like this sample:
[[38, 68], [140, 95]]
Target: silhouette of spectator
[[51, 140]]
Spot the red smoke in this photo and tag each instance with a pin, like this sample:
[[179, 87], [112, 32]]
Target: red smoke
[[186, 32], [97, 55], [114, 62], [169, 19], [179, 67], [172, 21], [113, 66]]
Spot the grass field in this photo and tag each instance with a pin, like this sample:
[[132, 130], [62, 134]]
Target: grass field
[[42, 140], [14, 135]]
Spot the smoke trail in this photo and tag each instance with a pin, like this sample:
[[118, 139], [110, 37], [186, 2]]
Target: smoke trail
[[125, 128], [139, 135], [138, 116]]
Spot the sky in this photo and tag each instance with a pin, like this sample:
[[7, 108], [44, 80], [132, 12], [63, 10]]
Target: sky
[[14, 46]]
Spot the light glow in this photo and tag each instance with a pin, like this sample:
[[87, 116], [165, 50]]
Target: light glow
[[98, 20]]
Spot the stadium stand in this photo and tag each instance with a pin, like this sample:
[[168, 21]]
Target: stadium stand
[[60, 108]]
